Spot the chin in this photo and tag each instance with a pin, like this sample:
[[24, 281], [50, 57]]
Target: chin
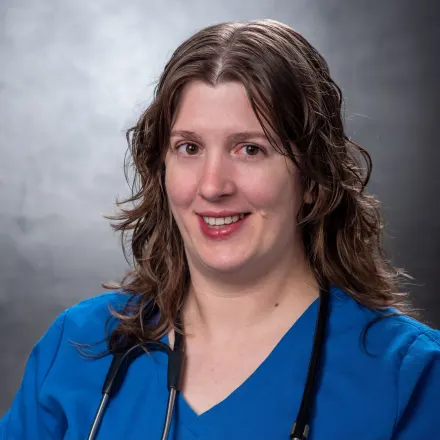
[[224, 265]]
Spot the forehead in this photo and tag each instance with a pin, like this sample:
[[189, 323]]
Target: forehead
[[223, 107]]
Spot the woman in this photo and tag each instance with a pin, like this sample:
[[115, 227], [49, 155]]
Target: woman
[[249, 213]]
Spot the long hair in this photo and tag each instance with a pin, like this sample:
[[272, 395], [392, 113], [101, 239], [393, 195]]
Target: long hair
[[289, 86]]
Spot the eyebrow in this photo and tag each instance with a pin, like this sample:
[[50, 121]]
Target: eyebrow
[[234, 137]]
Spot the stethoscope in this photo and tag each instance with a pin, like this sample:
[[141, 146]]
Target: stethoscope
[[121, 362]]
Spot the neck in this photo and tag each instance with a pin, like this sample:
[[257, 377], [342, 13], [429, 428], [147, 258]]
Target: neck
[[218, 309]]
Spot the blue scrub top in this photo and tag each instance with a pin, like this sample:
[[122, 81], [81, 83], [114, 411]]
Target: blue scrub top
[[391, 393]]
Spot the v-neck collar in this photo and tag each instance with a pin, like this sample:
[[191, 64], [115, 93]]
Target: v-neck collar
[[185, 415]]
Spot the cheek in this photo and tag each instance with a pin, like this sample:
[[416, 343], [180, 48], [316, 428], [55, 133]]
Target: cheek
[[180, 188], [279, 194]]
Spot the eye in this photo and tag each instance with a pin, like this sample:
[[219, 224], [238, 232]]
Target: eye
[[252, 150], [187, 149]]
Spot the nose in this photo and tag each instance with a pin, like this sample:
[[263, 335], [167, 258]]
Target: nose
[[217, 179]]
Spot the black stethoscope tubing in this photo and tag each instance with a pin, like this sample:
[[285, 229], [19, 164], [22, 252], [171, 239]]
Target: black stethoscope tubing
[[121, 361]]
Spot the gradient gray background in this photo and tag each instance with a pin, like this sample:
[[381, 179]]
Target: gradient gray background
[[75, 74]]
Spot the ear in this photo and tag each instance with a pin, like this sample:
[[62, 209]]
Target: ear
[[308, 198]]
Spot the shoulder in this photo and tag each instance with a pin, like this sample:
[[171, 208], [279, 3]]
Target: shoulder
[[385, 344], [392, 359], [95, 309], [387, 330], [57, 374], [82, 329], [89, 318]]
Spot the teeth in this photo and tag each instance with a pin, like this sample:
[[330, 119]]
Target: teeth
[[216, 221]]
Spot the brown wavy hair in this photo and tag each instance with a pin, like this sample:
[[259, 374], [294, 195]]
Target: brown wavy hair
[[291, 91]]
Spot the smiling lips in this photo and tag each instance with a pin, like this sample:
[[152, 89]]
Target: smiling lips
[[220, 225], [221, 221]]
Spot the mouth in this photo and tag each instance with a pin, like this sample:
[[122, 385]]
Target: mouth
[[220, 222]]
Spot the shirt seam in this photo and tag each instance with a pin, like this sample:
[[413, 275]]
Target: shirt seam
[[417, 337], [423, 330], [8, 418], [63, 325]]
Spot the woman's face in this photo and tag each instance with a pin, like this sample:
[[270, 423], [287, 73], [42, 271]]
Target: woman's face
[[220, 167]]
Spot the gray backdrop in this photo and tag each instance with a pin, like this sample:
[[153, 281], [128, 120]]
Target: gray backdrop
[[75, 73]]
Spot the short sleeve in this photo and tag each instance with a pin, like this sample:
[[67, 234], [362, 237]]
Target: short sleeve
[[28, 418], [419, 390]]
